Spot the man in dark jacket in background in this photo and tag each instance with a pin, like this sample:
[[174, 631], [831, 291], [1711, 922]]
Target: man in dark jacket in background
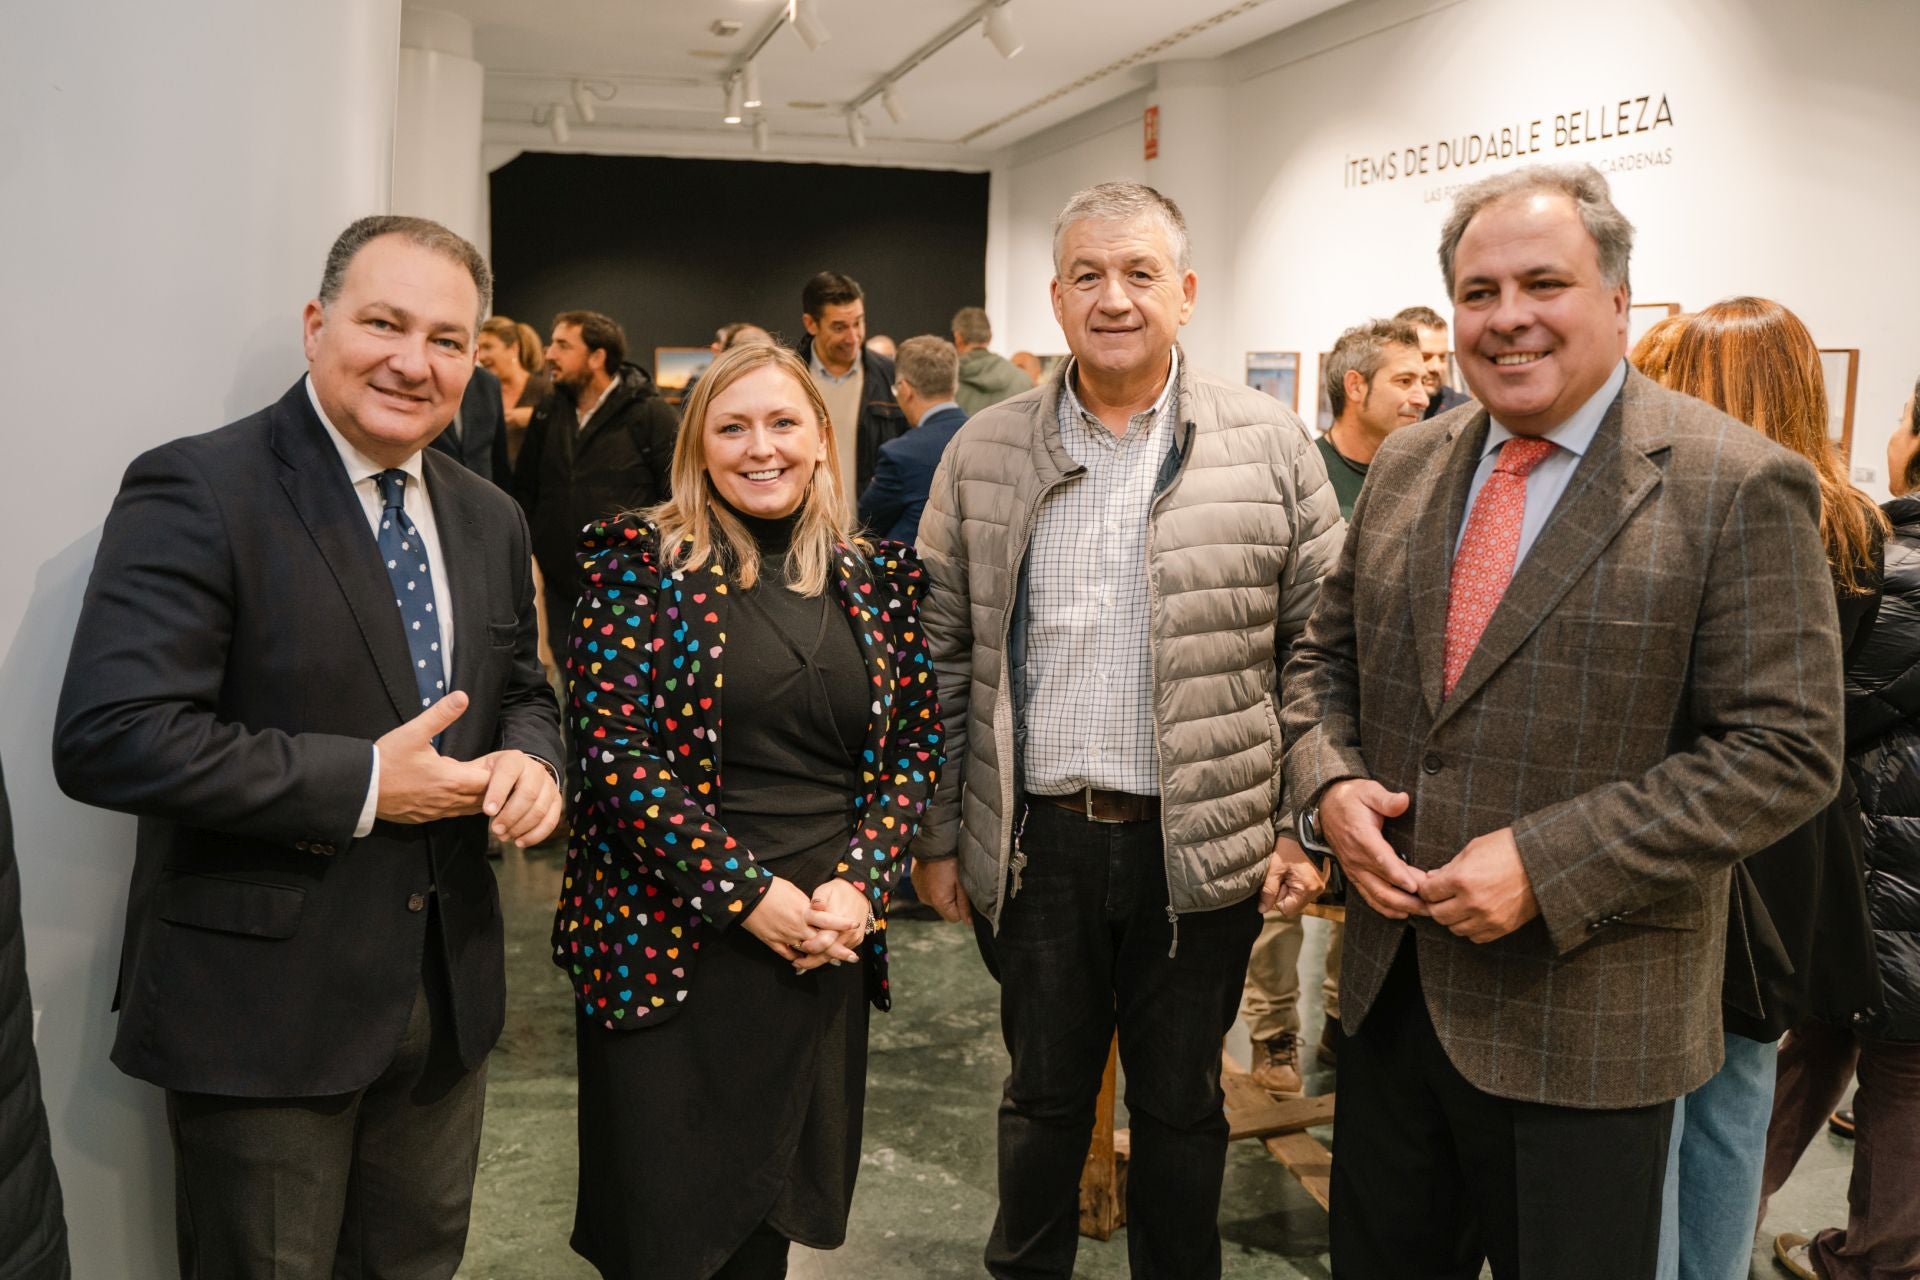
[[926, 375], [477, 436], [857, 384], [33, 1234], [599, 444]]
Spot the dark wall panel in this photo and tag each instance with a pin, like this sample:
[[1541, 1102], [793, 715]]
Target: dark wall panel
[[673, 249]]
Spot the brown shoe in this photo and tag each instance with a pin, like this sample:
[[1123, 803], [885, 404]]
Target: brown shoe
[[1276, 1066], [1790, 1255]]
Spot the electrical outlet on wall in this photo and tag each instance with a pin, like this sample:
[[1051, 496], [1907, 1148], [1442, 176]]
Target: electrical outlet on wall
[[1866, 475]]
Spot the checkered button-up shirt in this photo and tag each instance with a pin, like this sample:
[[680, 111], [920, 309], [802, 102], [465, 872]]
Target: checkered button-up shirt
[[1089, 706]]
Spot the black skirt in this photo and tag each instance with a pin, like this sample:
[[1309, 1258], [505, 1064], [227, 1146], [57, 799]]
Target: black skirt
[[744, 1107]]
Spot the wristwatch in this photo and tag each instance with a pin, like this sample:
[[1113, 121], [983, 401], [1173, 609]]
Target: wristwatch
[[1306, 828]]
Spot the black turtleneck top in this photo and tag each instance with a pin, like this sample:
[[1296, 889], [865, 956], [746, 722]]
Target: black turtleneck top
[[796, 705]]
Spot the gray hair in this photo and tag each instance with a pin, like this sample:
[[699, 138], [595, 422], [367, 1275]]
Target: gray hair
[[1123, 202], [971, 326], [1363, 349], [929, 365], [1581, 183], [425, 233]]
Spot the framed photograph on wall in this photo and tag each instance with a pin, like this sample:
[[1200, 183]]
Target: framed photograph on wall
[[1840, 368], [1642, 315], [1278, 374], [675, 368], [1048, 364]]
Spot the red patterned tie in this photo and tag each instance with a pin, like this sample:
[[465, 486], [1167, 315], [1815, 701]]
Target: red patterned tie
[[1484, 564]]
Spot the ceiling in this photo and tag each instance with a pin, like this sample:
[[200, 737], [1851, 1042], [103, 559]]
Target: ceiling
[[657, 69]]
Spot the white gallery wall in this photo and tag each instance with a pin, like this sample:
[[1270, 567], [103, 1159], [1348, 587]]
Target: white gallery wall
[[172, 176], [1784, 167]]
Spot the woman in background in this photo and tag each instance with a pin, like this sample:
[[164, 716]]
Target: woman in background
[[724, 938], [1797, 930], [511, 352], [1882, 1235]]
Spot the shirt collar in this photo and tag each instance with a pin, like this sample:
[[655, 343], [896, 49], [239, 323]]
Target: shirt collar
[[942, 407], [1577, 432], [820, 370], [360, 467], [1155, 410], [587, 417]]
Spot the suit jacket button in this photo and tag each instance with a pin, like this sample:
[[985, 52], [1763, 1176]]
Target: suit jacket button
[[302, 846], [324, 848], [418, 902], [1431, 763]]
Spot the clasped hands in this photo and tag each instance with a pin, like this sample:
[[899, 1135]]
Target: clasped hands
[[811, 931], [1481, 894], [418, 784]]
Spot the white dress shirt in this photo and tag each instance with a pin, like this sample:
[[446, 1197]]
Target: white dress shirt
[[1548, 479], [361, 471]]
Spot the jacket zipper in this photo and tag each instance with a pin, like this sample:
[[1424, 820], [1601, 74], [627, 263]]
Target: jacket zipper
[[1153, 705]]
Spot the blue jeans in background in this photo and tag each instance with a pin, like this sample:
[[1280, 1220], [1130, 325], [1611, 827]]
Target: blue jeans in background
[[1717, 1153]]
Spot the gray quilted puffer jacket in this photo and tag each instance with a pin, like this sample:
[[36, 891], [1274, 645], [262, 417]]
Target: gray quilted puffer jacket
[[1243, 526]]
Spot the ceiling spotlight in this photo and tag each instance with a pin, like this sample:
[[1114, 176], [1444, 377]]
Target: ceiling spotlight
[[891, 101], [733, 115], [762, 134], [999, 29], [856, 129], [805, 15], [557, 121], [582, 102], [751, 98]]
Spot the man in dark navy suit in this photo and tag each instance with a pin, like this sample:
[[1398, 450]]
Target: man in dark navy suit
[[477, 437], [306, 663], [927, 374]]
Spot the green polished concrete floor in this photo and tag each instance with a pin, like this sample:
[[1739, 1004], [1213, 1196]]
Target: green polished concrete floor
[[925, 1198]]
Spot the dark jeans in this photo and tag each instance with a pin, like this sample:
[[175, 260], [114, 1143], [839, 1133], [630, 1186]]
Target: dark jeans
[[1432, 1176], [1084, 945]]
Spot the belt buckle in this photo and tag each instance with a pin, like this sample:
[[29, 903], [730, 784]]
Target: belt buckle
[[1086, 806]]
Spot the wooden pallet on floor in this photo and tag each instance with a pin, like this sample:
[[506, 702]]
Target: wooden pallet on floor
[[1103, 1179]]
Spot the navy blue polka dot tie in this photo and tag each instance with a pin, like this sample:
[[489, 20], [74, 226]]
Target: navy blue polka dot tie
[[406, 557]]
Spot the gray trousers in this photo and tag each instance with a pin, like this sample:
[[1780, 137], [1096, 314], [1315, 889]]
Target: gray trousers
[[370, 1185]]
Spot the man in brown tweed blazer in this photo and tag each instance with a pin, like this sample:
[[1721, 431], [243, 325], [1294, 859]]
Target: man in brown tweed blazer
[[1536, 736]]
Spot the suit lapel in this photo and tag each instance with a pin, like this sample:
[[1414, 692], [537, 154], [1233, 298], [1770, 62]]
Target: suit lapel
[[1610, 483], [1431, 567], [463, 549], [322, 496]]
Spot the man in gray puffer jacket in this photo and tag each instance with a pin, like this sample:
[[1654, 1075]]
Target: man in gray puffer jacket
[[1118, 559]]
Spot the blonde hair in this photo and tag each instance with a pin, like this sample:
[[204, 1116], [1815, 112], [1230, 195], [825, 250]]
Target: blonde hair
[[696, 527]]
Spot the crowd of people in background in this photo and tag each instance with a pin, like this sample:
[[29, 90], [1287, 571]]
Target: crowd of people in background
[[1589, 689]]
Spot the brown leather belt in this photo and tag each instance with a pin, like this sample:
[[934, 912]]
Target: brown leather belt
[[1108, 806]]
